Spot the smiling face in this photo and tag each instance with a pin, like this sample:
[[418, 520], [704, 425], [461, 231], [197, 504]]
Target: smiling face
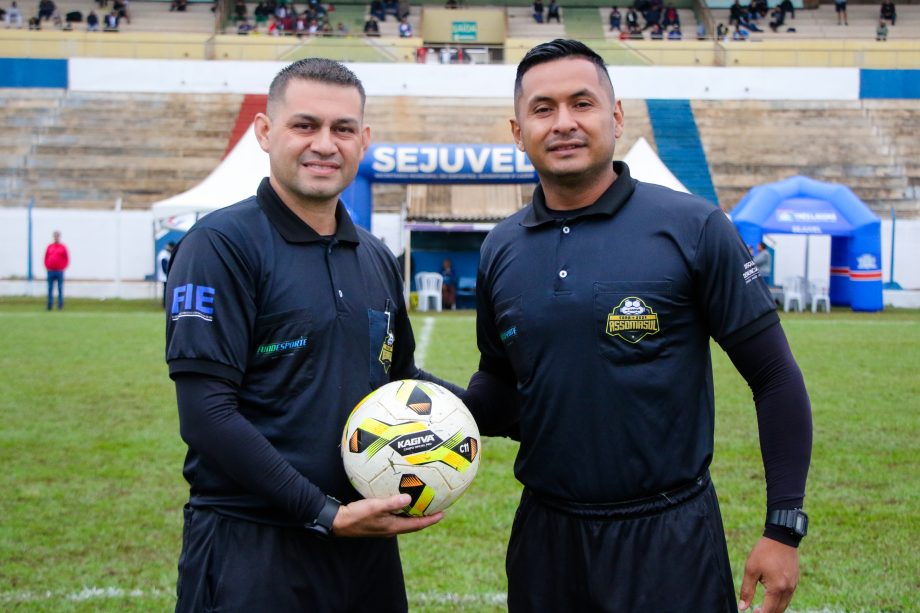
[[315, 138], [567, 122]]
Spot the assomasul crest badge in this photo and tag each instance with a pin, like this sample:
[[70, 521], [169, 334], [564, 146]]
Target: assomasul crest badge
[[632, 320]]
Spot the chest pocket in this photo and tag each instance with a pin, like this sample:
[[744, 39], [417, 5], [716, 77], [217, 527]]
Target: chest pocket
[[512, 331], [631, 320], [381, 347], [281, 359]]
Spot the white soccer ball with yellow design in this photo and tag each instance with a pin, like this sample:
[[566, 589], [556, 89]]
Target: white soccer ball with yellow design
[[411, 437]]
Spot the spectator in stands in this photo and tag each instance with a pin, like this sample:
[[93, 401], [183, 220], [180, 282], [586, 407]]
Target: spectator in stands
[[245, 27], [240, 10], [888, 11], [450, 4], [260, 14], [652, 17], [615, 19], [739, 33], [371, 27], [45, 9], [391, 7], [377, 11], [841, 7], [121, 9], [675, 33], [92, 21], [701, 31], [111, 21], [14, 16], [56, 262], [538, 11], [552, 12], [786, 7], [405, 28], [881, 32], [274, 27], [734, 13], [341, 29], [748, 23], [759, 8], [657, 33], [671, 17], [721, 31], [778, 18], [632, 20]]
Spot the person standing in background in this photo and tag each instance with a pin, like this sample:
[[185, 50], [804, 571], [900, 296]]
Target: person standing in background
[[163, 258], [56, 261]]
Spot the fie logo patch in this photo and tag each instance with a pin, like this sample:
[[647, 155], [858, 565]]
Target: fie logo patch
[[192, 300]]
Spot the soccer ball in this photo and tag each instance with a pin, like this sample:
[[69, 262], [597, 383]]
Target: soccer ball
[[411, 437]]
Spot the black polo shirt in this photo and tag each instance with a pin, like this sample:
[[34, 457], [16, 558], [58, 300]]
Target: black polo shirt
[[602, 317], [300, 322]]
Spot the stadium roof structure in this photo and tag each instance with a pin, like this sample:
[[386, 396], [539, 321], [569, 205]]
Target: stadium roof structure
[[805, 206]]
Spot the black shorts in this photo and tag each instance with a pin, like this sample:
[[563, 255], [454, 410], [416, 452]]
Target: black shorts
[[231, 565], [840, 7], [656, 554]]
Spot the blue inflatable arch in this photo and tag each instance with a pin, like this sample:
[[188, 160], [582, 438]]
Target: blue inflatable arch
[[800, 205]]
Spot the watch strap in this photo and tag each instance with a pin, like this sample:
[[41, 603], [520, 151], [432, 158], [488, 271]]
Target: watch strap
[[323, 523], [793, 520]]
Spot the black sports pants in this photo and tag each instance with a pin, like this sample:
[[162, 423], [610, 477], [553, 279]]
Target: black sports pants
[[231, 565], [665, 553]]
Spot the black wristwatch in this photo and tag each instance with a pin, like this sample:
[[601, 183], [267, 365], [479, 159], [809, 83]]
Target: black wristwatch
[[323, 522], [794, 521]]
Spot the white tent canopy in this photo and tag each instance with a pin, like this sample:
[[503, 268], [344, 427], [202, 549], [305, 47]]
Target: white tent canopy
[[237, 178], [243, 169], [645, 165]]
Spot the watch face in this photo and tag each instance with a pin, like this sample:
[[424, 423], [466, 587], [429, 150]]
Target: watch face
[[801, 524]]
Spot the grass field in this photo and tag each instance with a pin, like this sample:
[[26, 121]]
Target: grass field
[[90, 511]]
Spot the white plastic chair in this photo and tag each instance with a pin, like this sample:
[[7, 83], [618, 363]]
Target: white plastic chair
[[428, 286], [793, 291], [819, 293]]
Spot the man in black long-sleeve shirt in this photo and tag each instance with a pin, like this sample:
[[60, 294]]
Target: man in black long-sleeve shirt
[[595, 307], [281, 316]]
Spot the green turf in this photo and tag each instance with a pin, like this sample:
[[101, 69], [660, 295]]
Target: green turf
[[92, 490]]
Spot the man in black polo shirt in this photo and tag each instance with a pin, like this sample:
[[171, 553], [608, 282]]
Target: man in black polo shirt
[[282, 315], [596, 304]]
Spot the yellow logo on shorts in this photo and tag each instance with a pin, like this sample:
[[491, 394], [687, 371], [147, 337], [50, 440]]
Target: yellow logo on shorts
[[632, 320]]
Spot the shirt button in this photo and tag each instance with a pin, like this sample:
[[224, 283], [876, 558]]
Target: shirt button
[[566, 229], [340, 293], [563, 274]]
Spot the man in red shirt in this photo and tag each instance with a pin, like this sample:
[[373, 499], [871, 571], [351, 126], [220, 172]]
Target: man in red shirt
[[56, 261]]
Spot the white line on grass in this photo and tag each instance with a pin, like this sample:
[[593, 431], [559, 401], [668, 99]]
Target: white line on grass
[[424, 338], [848, 322], [82, 315], [84, 594], [419, 598]]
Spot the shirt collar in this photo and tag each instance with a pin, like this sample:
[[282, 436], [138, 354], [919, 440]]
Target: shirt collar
[[608, 204], [292, 228]]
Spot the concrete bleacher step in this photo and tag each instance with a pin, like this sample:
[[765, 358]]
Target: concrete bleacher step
[[145, 16], [521, 24], [86, 149]]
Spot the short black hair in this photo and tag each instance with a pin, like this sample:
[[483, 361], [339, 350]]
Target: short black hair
[[556, 50], [314, 69]]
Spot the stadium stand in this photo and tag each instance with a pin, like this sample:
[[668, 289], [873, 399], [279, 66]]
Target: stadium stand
[[85, 150], [146, 16], [855, 143]]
